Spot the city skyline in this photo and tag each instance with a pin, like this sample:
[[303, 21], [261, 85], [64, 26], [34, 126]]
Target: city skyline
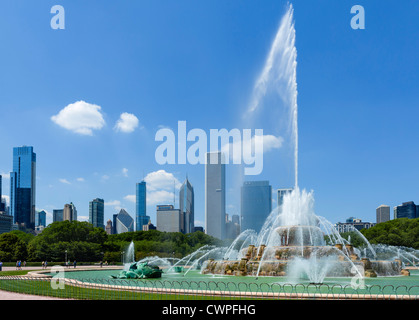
[[199, 65]]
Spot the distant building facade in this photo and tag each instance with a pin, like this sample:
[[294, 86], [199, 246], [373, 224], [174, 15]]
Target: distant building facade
[[22, 187], [232, 227], [6, 222], [383, 213], [256, 204], [353, 223], [109, 227], [97, 213], [168, 219]]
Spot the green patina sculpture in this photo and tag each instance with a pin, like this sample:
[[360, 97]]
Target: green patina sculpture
[[140, 271]]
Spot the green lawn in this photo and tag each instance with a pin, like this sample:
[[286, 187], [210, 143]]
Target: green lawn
[[44, 288], [14, 273]]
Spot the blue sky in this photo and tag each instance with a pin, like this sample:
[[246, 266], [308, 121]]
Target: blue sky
[[166, 61]]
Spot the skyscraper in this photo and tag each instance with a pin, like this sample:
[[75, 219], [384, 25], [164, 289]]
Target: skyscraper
[[57, 215], [256, 204], [97, 213], [123, 222], [186, 204], [109, 227], [383, 213], [40, 218], [141, 217], [70, 212], [22, 186], [406, 210], [168, 218], [215, 224]]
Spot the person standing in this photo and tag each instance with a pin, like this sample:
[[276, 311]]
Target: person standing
[[74, 263]]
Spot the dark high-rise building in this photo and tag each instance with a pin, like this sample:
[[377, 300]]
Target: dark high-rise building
[[40, 218], [22, 186], [97, 213], [256, 204], [57, 215], [141, 217], [406, 210], [114, 223], [186, 205]]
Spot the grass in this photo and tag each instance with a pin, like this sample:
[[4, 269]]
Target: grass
[[15, 273], [44, 288]]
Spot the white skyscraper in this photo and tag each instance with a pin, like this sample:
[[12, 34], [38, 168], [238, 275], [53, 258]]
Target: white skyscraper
[[215, 224], [383, 213]]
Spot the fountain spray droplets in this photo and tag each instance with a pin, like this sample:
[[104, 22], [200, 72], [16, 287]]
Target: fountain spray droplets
[[279, 76]]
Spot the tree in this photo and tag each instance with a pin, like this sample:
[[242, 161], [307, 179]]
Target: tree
[[82, 241], [397, 232], [12, 248]]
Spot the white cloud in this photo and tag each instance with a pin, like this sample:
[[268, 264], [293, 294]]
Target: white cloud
[[113, 203], [105, 177], [159, 197], [125, 172], [80, 117], [127, 123], [160, 187], [130, 198], [161, 180], [65, 181], [80, 179]]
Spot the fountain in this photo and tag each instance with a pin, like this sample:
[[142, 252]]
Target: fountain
[[292, 241], [295, 247]]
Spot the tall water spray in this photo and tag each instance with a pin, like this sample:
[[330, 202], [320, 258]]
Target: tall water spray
[[279, 76]]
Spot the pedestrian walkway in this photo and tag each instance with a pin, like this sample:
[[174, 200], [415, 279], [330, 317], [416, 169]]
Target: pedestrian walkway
[[6, 295]]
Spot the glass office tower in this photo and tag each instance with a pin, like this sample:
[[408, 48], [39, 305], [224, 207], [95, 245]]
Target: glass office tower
[[406, 210], [141, 217], [256, 204], [40, 218], [97, 213], [22, 186]]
